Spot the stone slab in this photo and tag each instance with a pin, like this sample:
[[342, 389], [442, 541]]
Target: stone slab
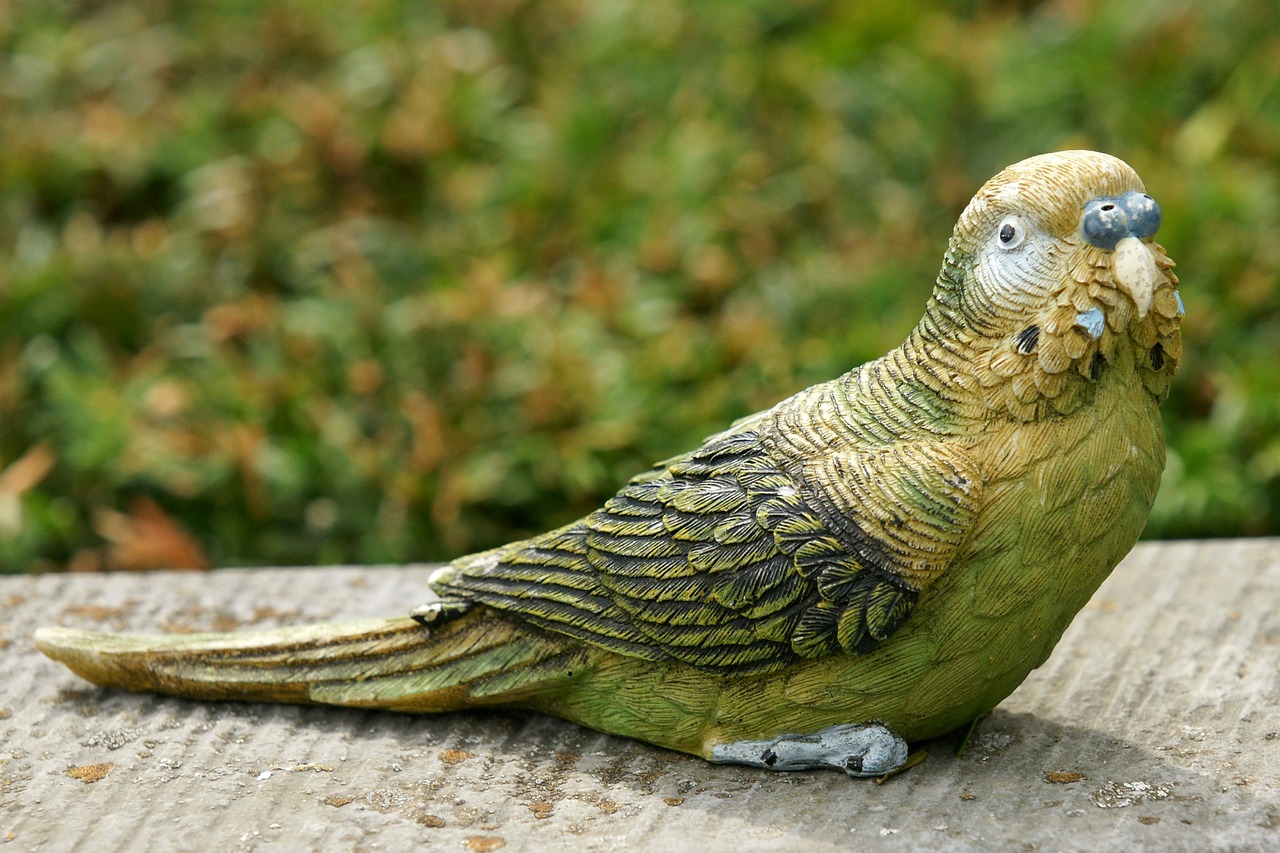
[[1154, 725]]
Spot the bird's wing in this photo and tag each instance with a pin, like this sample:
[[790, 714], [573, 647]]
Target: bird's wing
[[904, 508], [727, 560]]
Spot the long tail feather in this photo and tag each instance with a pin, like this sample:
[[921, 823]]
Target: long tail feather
[[398, 664]]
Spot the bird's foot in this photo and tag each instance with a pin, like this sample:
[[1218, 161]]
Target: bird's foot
[[859, 749]]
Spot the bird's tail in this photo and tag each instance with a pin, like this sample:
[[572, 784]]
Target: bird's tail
[[476, 659]]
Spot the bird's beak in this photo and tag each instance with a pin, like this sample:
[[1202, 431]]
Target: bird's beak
[[1121, 225], [1135, 272]]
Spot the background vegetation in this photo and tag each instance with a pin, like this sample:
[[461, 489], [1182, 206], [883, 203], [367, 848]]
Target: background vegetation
[[303, 282]]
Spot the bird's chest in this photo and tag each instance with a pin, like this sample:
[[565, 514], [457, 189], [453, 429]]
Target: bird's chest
[[1066, 500]]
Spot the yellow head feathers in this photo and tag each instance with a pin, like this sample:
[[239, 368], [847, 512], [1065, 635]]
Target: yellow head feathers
[[1053, 279]]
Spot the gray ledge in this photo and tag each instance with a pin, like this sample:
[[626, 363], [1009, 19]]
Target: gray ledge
[[1156, 724]]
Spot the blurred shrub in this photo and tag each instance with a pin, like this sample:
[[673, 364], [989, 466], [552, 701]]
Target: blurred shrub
[[375, 281]]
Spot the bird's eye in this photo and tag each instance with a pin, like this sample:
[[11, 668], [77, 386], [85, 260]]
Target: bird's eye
[[1011, 232]]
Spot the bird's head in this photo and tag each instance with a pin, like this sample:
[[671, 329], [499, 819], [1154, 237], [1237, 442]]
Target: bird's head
[[1052, 279]]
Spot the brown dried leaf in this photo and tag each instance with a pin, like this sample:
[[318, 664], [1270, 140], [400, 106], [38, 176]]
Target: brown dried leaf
[[147, 538], [89, 773], [26, 472]]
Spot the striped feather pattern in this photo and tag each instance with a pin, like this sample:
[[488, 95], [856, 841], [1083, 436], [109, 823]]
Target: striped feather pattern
[[715, 559]]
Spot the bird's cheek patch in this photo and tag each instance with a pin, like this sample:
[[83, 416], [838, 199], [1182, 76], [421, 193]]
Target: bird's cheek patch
[[1091, 322]]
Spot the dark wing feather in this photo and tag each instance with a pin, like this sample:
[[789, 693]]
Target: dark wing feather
[[717, 559], [713, 559]]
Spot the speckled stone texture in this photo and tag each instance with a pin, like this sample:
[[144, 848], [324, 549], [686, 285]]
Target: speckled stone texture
[[1155, 724]]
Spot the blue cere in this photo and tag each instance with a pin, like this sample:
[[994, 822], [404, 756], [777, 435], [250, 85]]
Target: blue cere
[[1107, 221]]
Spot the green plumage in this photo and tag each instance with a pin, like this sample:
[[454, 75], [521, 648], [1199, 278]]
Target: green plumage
[[713, 560], [902, 544]]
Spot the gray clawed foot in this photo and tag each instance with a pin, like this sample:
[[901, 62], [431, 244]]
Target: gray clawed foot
[[859, 749]]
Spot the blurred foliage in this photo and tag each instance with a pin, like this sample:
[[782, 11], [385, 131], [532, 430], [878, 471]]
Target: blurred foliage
[[305, 282]]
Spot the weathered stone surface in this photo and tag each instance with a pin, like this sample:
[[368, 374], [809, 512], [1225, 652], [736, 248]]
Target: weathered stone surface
[[1154, 725]]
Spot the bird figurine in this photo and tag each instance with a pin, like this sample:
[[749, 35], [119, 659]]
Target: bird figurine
[[877, 560]]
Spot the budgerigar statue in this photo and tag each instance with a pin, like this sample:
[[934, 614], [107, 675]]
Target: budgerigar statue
[[878, 559]]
